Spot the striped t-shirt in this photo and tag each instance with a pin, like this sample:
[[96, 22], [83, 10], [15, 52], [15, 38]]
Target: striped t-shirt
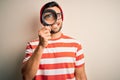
[[59, 58]]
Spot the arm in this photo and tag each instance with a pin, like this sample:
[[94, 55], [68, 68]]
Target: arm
[[30, 67], [80, 73]]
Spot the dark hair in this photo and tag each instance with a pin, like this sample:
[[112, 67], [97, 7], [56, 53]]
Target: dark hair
[[47, 5]]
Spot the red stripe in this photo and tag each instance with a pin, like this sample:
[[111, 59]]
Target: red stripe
[[80, 65], [58, 54], [31, 47], [27, 55], [55, 77], [56, 66], [28, 47], [66, 37], [60, 44], [54, 55], [80, 57]]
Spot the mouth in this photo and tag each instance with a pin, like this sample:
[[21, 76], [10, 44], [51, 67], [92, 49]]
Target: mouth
[[56, 28]]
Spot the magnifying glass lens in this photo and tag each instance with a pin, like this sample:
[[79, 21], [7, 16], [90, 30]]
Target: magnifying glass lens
[[49, 18]]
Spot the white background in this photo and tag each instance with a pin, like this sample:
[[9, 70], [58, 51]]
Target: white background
[[96, 23]]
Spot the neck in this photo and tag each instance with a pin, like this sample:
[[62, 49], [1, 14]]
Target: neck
[[56, 35]]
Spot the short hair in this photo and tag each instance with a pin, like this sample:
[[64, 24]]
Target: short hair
[[48, 5]]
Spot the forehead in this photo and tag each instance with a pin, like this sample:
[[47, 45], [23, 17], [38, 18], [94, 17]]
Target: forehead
[[56, 9]]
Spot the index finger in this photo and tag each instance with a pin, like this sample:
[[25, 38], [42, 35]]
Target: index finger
[[47, 28]]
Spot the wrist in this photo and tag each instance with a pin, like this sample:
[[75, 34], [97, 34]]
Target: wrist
[[41, 46]]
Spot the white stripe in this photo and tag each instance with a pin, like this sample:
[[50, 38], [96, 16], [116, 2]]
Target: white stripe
[[80, 62], [56, 71], [71, 79], [57, 41], [57, 60], [54, 50], [29, 50], [80, 52], [34, 43], [60, 49], [26, 59], [64, 40]]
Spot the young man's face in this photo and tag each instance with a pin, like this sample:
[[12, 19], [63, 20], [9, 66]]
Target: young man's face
[[58, 25]]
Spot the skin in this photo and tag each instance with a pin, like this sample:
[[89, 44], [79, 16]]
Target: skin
[[30, 67]]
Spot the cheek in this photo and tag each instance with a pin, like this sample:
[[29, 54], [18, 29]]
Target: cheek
[[60, 22]]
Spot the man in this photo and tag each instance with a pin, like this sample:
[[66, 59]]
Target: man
[[53, 56]]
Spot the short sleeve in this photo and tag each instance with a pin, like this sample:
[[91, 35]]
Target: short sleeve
[[79, 56], [28, 52]]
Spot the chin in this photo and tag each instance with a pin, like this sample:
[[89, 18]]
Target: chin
[[56, 31]]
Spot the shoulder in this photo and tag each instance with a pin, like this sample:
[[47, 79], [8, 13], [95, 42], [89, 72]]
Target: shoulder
[[69, 38], [73, 42], [66, 36], [33, 42]]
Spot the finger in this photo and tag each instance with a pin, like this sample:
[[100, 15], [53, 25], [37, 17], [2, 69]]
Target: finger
[[46, 32], [43, 30], [47, 28], [47, 37]]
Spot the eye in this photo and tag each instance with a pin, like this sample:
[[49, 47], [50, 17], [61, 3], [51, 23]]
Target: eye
[[59, 15], [47, 16]]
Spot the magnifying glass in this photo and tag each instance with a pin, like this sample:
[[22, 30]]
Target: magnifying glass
[[49, 17]]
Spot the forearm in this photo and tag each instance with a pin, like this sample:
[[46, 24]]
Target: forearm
[[80, 73], [30, 68], [81, 77]]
